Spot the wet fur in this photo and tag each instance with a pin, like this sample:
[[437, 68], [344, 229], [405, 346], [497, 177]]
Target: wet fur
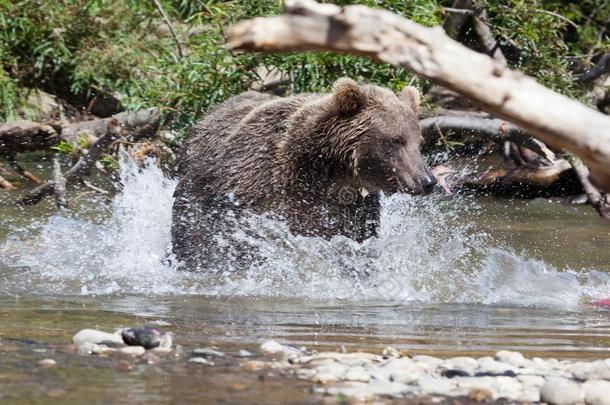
[[294, 157]]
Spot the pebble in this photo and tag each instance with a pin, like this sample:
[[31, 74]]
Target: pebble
[[146, 337], [597, 392], [561, 391], [96, 337], [47, 363], [87, 348], [272, 347], [508, 376], [201, 360], [208, 352], [244, 353], [515, 359], [133, 351], [357, 373]]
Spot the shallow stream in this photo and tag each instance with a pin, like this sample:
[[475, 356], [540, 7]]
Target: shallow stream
[[446, 276]]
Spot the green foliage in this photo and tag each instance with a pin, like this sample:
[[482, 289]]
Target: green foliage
[[65, 148], [78, 46]]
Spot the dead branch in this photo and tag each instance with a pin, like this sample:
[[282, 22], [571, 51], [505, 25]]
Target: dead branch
[[557, 120], [12, 161], [601, 202], [80, 168], [602, 67], [475, 127]]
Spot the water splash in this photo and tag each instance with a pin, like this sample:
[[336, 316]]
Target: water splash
[[426, 252]]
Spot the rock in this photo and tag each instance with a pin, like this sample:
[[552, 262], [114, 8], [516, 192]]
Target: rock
[[492, 366], [480, 395], [208, 352], [561, 391], [306, 374], [391, 352], [597, 392], [357, 373], [146, 337], [87, 348], [366, 392], [272, 347], [96, 336], [149, 357], [201, 360], [243, 353], [427, 359], [161, 350], [133, 351], [438, 386], [515, 359], [46, 363], [330, 372], [467, 364], [531, 385]]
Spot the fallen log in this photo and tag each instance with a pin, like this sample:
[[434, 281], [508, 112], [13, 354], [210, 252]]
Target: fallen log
[[80, 168], [141, 123], [24, 136], [557, 120]]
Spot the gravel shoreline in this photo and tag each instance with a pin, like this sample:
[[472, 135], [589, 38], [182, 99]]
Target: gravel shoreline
[[506, 376]]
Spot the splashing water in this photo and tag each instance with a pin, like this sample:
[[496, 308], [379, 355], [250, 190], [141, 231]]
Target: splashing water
[[425, 252]]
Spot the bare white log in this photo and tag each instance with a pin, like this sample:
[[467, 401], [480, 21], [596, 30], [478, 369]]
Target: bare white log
[[557, 120]]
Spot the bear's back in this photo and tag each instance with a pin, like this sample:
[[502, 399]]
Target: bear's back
[[235, 143]]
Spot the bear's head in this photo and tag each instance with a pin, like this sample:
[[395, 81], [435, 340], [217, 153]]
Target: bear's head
[[384, 137]]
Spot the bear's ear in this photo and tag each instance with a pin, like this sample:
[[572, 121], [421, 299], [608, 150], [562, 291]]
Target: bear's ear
[[349, 96], [411, 96]]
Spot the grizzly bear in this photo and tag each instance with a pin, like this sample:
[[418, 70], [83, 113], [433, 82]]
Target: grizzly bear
[[316, 161]]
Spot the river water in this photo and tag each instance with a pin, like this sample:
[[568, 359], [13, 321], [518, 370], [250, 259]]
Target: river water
[[446, 276]]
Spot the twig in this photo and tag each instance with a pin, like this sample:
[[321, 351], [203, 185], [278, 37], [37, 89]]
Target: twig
[[12, 160], [170, 26], [79, 169], [5, 184], [90, 186], [601, 202], [554, 14]]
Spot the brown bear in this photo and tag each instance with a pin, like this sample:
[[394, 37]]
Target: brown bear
[[316, 161]]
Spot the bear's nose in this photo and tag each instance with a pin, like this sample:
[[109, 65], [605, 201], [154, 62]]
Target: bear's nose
[[428, 182]]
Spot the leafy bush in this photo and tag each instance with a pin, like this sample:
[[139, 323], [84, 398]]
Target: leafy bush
[[74, 47]]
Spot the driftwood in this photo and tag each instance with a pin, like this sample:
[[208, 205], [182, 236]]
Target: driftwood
[[25, 136], [557, 120], [80, 168], [142, 122]]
